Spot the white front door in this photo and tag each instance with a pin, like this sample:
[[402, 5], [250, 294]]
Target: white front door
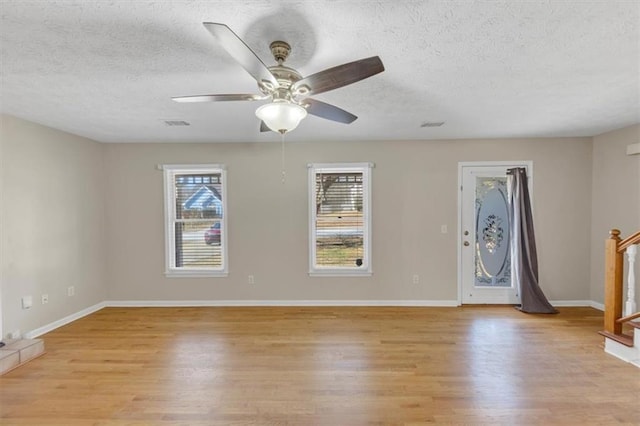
[[484, 251]]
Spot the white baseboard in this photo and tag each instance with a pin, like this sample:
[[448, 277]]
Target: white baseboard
[[64, 321], [186, 303], [598, 306], [574, 303]]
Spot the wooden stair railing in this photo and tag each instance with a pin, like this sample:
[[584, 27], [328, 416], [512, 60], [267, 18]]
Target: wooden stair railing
[[614, 264], [628, 318]]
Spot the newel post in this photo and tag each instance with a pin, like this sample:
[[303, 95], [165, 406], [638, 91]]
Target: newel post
[[613, 264]]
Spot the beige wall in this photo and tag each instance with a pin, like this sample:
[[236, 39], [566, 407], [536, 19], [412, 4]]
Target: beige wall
[[75, 212], [615, 197], [414, 193], [52, 233]]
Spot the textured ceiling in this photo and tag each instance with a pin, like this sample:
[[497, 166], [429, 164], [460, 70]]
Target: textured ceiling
[[489, 69]]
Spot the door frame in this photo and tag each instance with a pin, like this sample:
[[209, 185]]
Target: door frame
[[463, 164]]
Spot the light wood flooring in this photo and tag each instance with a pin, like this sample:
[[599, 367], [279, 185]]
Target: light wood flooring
[[324, 366]]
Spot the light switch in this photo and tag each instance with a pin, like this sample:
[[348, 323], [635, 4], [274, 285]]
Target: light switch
[[27, 302]]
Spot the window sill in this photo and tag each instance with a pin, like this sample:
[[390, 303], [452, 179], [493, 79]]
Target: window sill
[[340, 273], [196, 274]]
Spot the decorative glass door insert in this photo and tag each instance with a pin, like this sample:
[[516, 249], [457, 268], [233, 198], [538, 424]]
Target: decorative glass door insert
[[492, 256]]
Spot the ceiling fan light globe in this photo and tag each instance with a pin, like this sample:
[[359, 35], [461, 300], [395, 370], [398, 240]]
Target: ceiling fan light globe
[[281, 117]]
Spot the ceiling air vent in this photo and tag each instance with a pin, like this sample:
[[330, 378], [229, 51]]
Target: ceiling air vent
[[176, 123], [432, 124]]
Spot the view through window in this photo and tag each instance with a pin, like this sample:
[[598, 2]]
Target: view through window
[[339, 219], [196, 225]]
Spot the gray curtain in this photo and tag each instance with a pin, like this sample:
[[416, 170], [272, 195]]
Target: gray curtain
[[524, 257]]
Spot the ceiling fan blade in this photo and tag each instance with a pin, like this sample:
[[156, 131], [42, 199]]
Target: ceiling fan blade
[[264, 127], [218, 98], [328, 111], [339, 76], [242, 53]]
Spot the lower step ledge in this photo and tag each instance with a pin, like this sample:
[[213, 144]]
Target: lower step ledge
[[18, 352], [623, 339]]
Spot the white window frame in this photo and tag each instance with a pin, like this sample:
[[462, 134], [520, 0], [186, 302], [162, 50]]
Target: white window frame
[[365, 269], [170, 171]]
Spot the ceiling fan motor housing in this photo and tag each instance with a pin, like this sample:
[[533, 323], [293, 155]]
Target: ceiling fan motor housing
[[286, 77]]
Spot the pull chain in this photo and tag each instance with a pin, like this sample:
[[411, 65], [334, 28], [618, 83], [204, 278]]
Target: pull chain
[[283, 168]]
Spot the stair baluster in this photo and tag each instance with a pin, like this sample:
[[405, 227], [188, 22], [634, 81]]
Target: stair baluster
[[630, 305]]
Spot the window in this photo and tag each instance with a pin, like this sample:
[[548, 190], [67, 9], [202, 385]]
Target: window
[[195, 216], [340, 219]]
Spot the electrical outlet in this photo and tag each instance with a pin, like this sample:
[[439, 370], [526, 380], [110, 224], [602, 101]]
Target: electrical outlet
[[45, 299], [71, 291], [251, 279], [416, 279], [14, 334], [444, 229]]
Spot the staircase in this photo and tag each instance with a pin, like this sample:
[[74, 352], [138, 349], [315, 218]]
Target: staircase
[[622, 333], [18, 352]]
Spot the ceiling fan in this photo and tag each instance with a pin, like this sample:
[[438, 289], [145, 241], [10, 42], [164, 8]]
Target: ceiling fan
[[288, 91]]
